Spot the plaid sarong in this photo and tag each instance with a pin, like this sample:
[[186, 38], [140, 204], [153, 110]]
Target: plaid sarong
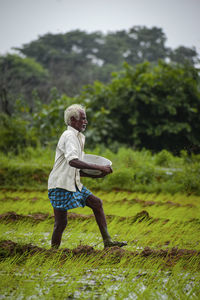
[[63, 200]]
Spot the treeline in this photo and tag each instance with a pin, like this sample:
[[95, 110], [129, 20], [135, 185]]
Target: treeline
[[148, 106], [69, 61], [152, 99]]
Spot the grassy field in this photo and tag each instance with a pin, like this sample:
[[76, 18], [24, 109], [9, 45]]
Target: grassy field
[[152, 201], [135, 171], [161, 261]]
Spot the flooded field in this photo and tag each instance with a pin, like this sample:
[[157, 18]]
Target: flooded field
[[161, 260]]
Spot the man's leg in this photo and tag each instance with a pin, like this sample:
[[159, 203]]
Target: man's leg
[[96, 205], [59, 226]]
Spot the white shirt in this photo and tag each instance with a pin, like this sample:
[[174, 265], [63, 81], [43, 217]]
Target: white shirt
[[70, 146]]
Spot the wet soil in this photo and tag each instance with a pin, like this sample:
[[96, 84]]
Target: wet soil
[[170, 256], [38, 217], [12, 216], [151, 203], [143, 203]]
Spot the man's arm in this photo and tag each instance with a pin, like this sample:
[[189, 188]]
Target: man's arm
[[79, 164], [82, 174]]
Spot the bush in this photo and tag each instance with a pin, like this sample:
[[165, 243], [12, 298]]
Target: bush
[[132, 170], [189, 178], [15, 134], [121, 179], [163, 158]]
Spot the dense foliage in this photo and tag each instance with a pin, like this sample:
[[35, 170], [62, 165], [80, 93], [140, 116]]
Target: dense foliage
[[19, 77], [146, 103], [69, 61], [152, 106]]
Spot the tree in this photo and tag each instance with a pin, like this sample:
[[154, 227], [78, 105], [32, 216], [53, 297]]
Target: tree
[[69, 58], [18, 77], [78, 58], [151, 106], [15, 134], [145, 44], [184, 55]]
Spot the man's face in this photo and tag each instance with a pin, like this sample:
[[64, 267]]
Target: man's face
[[80, 124]]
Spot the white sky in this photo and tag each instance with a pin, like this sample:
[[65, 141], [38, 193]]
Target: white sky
[[22, 21]]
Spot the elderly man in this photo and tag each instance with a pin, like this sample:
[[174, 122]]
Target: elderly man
[[65, 190]]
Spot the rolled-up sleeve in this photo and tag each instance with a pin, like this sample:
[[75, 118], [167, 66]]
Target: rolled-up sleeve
[[70, 146], [70, 149]]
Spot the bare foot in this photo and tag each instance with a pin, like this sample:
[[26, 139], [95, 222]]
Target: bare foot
[[108, 244]]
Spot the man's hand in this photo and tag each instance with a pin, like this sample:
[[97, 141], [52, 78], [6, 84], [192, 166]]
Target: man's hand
[[79, 164], [105, 170]]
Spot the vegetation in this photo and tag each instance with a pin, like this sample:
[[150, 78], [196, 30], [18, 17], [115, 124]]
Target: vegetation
[[151, 101], [145, 119], [136, 171], [152, 107], [149, 106], [77, 58], [19, 80], [160, 261]]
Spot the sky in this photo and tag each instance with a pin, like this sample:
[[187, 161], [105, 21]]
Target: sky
[[22, 21]]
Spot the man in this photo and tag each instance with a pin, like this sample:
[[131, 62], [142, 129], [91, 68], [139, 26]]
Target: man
[[64, 187]]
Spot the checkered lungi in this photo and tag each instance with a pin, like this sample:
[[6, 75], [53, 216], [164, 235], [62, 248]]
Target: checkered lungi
[[63, 200]]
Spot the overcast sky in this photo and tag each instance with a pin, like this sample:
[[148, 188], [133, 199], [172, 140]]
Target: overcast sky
[[22, 21]]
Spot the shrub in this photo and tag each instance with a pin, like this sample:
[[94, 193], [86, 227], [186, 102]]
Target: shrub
[[121, 179], [163, 158], [15, 134]]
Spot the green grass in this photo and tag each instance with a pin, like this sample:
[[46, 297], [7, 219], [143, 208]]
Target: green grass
[[41, 278], [147, 203], [133, 171], [93, 277], [168, 224]]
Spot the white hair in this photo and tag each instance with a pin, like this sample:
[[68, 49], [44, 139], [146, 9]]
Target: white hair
[[72, 111]]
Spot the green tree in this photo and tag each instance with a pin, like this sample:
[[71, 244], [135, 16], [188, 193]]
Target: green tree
[[48, 120], [16, 134], [184, 55], [145, 44], [151, 106], [78, 58], [18, 77], [69, 58]]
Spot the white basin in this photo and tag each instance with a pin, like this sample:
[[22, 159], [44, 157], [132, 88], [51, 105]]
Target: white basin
[[97, 160]]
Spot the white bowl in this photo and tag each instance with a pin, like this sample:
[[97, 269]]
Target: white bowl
[[97, 160]]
